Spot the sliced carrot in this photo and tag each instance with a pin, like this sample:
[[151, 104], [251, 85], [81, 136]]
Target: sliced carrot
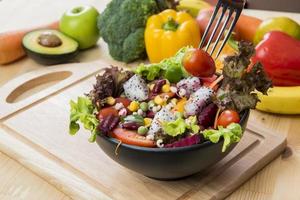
[[246, 27], [11, 43], [215, 82]]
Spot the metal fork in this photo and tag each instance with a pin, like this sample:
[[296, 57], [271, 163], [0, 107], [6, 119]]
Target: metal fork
[[233, 6]]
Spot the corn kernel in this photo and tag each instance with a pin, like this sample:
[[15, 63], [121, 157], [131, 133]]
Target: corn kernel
[[174, 101], [134, 106], [158, 107], [165, 88], [110, 101], [147, 122], [158, 100], [152, 86], [165, 97]]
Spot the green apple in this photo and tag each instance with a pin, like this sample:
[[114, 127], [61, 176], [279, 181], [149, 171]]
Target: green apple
[[80, 23], [283, 24]]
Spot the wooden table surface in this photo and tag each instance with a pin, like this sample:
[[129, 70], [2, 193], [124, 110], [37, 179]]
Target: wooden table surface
[[279, 180]]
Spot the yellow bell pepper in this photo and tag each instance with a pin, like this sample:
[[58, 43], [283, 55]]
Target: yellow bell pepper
[[180, 105], [169, 31], [226, 51]]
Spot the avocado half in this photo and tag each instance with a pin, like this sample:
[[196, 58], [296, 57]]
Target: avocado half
[[50, 47]]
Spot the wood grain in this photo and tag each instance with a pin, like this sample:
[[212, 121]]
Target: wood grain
[[278, 180], [18, 182], [22, 91]]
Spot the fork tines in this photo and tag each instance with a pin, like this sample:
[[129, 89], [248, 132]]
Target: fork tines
[[231, 7]]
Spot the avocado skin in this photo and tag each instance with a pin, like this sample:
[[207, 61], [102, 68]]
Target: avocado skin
[[46, 59]]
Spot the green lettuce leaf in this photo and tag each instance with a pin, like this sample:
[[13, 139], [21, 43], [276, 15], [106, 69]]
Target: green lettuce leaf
[[150, 72], [169, 68], [83, 112], [193, 124], [175, 128], [231, 134], [180, 126], [195, 129]]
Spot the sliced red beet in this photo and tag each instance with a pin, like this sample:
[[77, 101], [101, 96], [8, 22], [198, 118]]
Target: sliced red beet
[[207, 116], [188, 141], [150, 114]]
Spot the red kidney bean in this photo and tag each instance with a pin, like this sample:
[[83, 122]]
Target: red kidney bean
[[130, 125], [108, 123], [158, 85]]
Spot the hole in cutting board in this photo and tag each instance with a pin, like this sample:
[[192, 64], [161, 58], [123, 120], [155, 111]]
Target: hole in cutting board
[[35, 85]]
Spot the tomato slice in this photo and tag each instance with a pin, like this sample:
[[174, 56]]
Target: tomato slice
[[132, 138], [104, 112], [124, 101]]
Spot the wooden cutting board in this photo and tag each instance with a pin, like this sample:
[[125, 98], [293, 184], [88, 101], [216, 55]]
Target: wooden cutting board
[[34, 116]]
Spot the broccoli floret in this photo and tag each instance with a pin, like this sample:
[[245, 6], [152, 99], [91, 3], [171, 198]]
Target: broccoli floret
[[122, 25]]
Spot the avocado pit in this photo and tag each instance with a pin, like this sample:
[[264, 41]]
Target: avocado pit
[[49, 39]]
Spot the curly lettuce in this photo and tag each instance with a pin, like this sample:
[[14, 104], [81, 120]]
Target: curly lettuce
[[110, 83], [150, 72], [237, 90]]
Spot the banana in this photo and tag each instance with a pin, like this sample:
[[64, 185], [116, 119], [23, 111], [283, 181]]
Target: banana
[[281, 100], [192, 6]]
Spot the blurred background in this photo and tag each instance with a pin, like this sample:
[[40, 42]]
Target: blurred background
[[276, 5]]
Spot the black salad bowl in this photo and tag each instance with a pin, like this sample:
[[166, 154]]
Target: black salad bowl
[[167, 163]]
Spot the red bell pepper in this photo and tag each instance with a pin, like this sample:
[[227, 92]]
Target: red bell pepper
[[280, 55]]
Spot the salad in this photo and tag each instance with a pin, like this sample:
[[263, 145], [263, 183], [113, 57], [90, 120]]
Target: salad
[[163, 106]]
